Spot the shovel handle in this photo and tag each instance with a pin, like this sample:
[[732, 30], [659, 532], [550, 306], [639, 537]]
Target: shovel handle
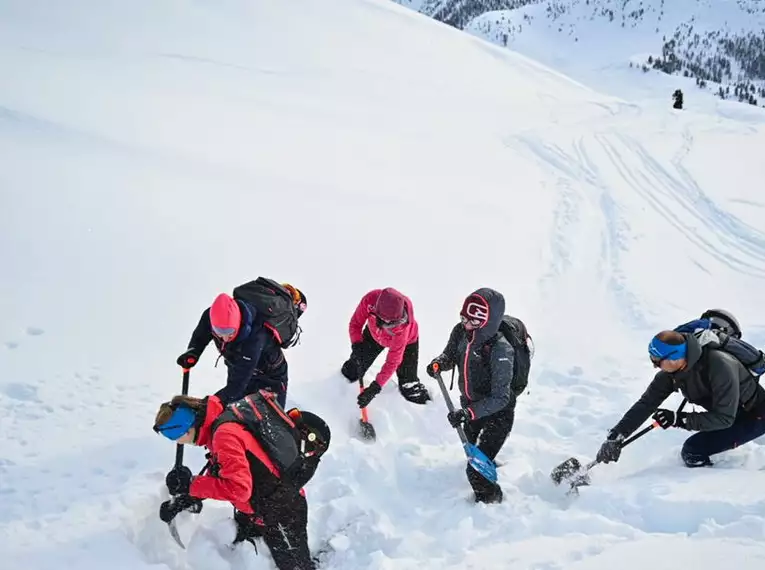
[[627, 441], [364, 415], [179, 447], [640, 434]]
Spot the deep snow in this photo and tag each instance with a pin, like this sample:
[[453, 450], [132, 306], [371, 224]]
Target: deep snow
[[155, 153]]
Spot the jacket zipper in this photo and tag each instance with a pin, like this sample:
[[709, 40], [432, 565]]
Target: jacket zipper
[[466, 368]]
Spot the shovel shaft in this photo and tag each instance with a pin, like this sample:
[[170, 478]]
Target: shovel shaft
[[364, 414], [179, 447], [449, 405], [639, 434], [627, 441]]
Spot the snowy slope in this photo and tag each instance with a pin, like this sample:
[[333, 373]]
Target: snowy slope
[[587, 37], [155, 153]]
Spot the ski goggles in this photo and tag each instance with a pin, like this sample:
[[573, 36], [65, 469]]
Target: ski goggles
[[389, 324], [225, 333], [660, 351], [180, 422]]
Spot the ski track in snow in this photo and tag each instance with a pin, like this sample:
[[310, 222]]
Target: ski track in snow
[[164, 143]]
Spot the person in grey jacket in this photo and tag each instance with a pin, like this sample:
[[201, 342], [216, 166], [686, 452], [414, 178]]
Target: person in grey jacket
[[733, 401], [484, 359]]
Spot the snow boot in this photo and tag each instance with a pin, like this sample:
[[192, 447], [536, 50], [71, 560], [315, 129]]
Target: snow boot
[[350, 370], [493, 496], [414, 391], [694, 460]]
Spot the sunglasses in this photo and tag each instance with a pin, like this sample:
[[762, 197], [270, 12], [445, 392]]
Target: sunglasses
[[224, 332], [658, 360], [473, 322]]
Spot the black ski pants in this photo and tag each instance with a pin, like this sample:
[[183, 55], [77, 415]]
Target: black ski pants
[[366, 352], [747, 426], [286, 534], [489, 435], [274, 380]]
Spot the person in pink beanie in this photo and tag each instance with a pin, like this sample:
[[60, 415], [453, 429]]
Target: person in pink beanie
[[385, 319]]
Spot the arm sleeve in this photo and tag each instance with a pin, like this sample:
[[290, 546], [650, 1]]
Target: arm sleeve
[[234, 481], [240, 371], [501, 369], [202, 335], [723, 378], [392, 361], [658, 390], [449, 356], [359, 317]]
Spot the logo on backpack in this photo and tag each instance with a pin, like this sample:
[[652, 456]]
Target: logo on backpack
[[711, 333], [294, 440], [275, 307], [514, 330]]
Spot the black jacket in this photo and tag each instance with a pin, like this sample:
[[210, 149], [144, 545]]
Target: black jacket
[[484, 360], [254, 350], [712, 379]]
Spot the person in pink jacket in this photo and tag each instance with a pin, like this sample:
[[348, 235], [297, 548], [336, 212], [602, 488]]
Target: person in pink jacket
[[385, 319]]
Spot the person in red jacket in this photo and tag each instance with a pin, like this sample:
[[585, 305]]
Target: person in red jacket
[[242, 473], [385, 319]]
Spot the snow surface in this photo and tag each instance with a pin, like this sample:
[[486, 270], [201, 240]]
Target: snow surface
[[154, 153]]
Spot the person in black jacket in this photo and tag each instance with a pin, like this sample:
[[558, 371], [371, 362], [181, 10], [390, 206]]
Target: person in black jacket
[[252, 355], [708, 377], [484, 359]]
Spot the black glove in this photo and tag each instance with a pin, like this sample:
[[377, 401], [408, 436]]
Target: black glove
[[188, 359], [431, 369], [350, 370], [611, 448], [368, 394], [667, 418], [172, 508], [457, 417], [178, 480], [247, 526]]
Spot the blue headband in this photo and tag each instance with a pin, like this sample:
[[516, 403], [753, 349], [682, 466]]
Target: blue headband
[[661, 350], [180, 422]]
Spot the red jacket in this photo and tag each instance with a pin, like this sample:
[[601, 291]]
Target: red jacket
[[395, 339], [229, 448]]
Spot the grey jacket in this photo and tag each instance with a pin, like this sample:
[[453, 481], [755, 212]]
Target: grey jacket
[[484, 360], [713, 379]]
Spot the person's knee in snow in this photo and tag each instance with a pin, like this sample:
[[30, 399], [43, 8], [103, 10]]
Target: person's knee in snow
[[692, 459]]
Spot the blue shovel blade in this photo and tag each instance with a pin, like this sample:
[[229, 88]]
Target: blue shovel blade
[[481, 463]]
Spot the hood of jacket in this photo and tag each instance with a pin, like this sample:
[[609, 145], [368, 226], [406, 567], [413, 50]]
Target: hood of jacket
[[496, 302]]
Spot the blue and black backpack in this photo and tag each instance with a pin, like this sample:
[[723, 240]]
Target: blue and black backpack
[[718, 329]]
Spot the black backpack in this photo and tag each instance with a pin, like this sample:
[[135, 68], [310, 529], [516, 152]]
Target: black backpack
[[710, 334], [294, 440], [514, 330], [275, 308]]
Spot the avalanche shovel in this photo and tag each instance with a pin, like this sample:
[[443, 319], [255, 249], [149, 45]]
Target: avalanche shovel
[[572, 472], [477, 458], [577, 476], [175, 508], [367, 430]]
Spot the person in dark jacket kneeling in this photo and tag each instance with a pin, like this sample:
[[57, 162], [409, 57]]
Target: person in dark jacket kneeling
[[708, 377], [484, 359], [242, 473]]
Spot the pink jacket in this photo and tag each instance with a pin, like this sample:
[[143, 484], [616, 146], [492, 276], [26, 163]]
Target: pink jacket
[[395, 339]]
